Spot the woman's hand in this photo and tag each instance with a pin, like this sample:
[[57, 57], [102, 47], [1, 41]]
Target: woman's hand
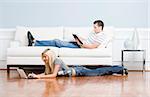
[[36, 76], [32, 75]]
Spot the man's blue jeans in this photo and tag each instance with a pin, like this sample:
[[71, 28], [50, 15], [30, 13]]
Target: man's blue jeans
[[56, 43], [83, 71]]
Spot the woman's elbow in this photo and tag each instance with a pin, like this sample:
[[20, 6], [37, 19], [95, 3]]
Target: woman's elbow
[[54, 75]]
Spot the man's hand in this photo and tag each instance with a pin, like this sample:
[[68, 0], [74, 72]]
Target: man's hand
[[78, 42]]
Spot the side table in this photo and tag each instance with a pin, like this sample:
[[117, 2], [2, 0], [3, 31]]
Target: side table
[[122, 56]]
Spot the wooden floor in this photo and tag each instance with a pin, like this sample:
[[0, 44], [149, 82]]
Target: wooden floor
[[136, 84]]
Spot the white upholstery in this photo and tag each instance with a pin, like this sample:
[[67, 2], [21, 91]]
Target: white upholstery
[[24, 61], [87, 60], [28, 51], [40, 33], [63, 52], [14, 44], [20, 54], [80, 31]]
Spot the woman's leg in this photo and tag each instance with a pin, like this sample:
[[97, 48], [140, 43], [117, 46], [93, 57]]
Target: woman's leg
[[110, 70], [82, 71]]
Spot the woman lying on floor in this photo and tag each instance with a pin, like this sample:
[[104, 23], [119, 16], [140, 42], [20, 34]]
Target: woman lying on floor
[[55, 66]]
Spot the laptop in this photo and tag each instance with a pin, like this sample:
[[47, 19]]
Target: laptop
[[23, 75]]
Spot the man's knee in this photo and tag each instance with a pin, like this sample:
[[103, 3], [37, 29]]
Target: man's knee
[[57, 42]]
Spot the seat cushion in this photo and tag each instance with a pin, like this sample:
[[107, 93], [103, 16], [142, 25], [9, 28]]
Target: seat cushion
[[78, 52], [28, 51]]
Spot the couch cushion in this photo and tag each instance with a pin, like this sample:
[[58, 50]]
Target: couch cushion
[[24, 61], [28, 51], [78, 52], [39, 33]]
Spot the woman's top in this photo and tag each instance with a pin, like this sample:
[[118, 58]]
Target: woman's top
[[64, 69]]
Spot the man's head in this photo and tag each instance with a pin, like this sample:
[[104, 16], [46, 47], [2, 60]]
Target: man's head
[[98, 26]]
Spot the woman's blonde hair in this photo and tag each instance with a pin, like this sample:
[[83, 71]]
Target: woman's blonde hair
[[49, 68]]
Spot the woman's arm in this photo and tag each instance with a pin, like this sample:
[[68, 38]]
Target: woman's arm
[[53, 75]]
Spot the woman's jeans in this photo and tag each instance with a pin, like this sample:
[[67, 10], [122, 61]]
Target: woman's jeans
[[83, 71], [56, 43]]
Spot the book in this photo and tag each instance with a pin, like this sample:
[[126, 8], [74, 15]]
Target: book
[[76, 37]]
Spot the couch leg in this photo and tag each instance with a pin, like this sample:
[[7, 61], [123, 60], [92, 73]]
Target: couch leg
[[8, 69]]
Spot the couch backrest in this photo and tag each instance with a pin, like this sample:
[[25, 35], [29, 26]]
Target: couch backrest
[[40, 33], [110, 35], [80, 31]]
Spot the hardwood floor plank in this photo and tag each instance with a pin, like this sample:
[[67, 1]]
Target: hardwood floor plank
[[136, 84]]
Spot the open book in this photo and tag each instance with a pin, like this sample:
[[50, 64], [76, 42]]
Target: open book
[[76, 37]]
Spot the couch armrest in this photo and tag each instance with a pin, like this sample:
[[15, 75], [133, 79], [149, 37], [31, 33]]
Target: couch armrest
[[14, 44]]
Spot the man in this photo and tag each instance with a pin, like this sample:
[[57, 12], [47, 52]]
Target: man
[[95, 39]]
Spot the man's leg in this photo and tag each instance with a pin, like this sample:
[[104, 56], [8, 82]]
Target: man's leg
[[44, 43], [56, 43]]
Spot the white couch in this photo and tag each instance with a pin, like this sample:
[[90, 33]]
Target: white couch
[[20, 54]]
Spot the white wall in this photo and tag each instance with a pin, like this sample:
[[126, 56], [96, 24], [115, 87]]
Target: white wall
[[148, 12], [118, 13], [121, 34], [6, 35]]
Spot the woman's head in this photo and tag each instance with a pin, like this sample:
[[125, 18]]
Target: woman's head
[[45, 58], [48, 56]]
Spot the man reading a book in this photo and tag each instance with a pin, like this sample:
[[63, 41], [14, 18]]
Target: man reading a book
[[95, 39]]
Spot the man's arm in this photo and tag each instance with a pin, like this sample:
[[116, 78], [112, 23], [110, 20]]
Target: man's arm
[[90, 46]]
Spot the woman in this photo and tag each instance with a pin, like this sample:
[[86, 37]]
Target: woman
[[55, 66]]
